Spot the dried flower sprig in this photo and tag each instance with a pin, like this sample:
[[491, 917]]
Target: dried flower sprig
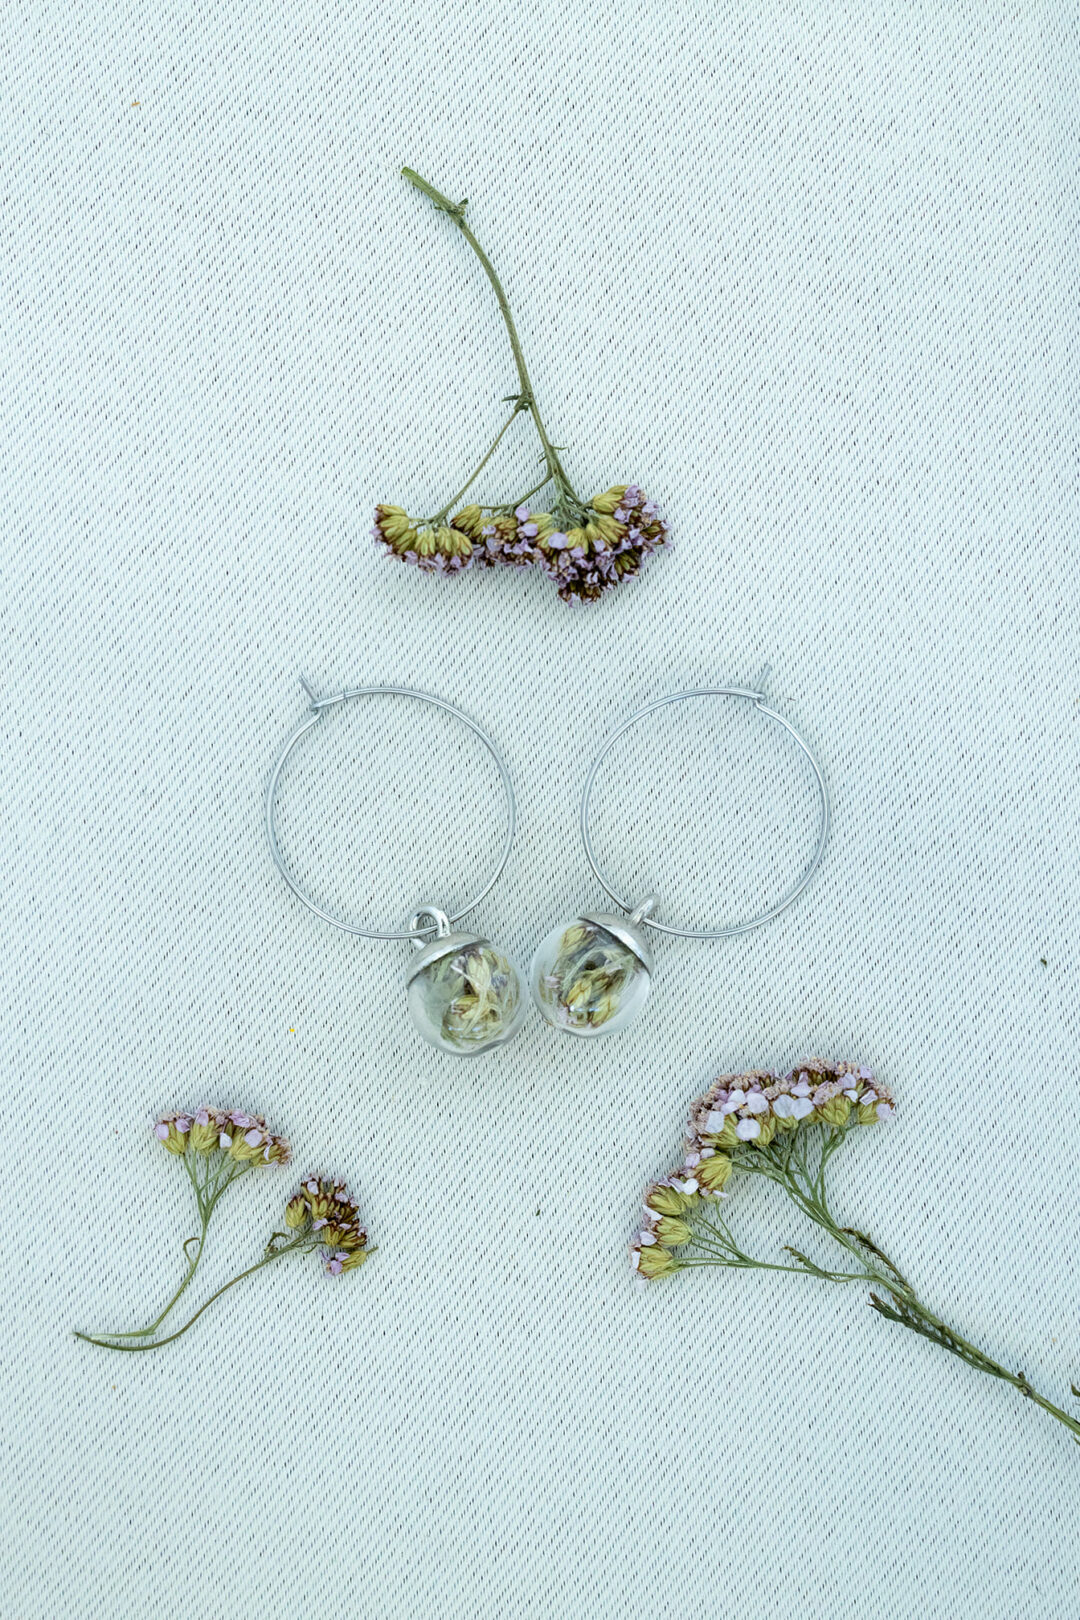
[[786, 1129], [217, 1148], [586, 548], [323, 1211]]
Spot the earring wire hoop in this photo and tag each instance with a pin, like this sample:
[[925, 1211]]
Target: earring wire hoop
[[318, 707], [758, 699]]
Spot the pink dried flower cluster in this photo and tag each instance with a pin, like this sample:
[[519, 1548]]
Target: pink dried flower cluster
[[605, 545], [756, 1124], [745, 1113], [244, 1137], [753, 1107], [217, 1147], [325, 1208]]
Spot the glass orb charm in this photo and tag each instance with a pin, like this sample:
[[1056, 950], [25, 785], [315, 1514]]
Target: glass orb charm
[[592, 976], [465, 996]]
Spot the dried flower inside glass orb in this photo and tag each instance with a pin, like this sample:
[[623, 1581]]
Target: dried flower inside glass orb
[[785, 1129], [586, 548], [592, 976], [464, 995]]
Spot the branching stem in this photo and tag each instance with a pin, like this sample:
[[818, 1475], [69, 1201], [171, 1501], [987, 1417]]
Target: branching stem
[[303, 1241], [209, 1182], [474, 475], [793, 1164], [568, 499]]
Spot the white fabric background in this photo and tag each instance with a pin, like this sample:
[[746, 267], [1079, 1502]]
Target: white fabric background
[[805, 274]]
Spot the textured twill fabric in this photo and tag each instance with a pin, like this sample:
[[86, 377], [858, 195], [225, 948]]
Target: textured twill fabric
[[806, 274]]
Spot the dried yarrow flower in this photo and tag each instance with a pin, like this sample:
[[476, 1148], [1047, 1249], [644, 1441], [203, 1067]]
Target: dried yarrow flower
[[324, 1211], [621, 528], [244, 1137], [586, 548], [785, 1129], [435, 547], [219, 1146]]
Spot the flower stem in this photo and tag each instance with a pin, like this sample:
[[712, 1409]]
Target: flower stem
[[456, 212], [798, 1165], [903, 1305], [208, 1192], [474, 475], [508, 506], [156, 1344], [897, 1300]]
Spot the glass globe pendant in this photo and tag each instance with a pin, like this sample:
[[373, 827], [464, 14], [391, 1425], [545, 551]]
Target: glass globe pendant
[[465, 996], [592, 976]]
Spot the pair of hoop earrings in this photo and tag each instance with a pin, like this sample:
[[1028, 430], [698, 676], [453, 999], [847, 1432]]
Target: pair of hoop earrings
[[590, 976]]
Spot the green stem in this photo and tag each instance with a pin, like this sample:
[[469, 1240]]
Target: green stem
[[912, 1313], [724, 1251], [456, 212], [787, 1162], [474, 475], [510, 506], [156, 1344], [208, 1192], [193, 1266], [906, 1307]]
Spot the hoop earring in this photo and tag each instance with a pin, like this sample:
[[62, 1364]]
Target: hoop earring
[[464, 995], [592, 976]]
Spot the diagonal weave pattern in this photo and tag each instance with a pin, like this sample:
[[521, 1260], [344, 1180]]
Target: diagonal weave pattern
[[803, 274]]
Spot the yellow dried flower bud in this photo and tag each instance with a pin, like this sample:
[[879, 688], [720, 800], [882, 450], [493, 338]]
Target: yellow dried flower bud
[[296, 1212], [655, 1261], [247, 1145], [452, 543], [204, 1132], [393, 521], [768, 1123], [171, 1136], [470, 520], [356, 1259], [611, 531], [671, 1231], [835, 1111], [715, 1172], [576, 537], [725, 1138], [603, 1008], [867, 1113], [609, 500], [668, 1201]]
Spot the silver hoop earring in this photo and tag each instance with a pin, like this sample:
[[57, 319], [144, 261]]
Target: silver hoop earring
[[592, 976], [464, 995]]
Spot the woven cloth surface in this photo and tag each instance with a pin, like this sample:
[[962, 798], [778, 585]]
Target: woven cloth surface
[[806, 275]]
